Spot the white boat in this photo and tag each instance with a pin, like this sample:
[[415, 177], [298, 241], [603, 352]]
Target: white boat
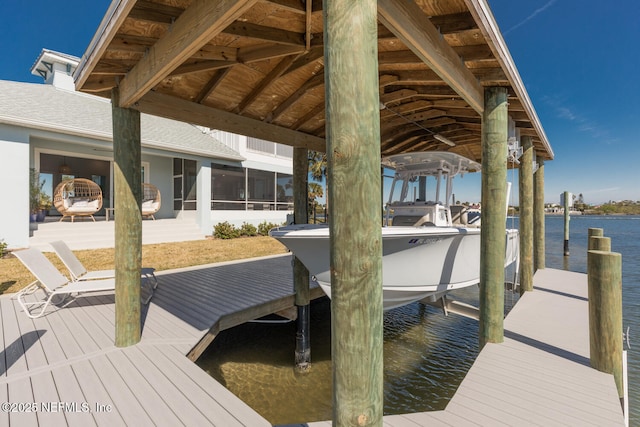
[[427, 251]]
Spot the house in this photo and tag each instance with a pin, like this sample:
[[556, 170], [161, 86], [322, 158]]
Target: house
[[204, 175]]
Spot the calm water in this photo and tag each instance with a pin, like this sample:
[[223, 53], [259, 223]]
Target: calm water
[[426, 354], [624, 232]]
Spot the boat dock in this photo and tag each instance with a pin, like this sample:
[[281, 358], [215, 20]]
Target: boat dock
[[63, 369], [539, 375]]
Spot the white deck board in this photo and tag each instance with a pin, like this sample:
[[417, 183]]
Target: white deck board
[[538, 376], [94, 393], [69, 356]]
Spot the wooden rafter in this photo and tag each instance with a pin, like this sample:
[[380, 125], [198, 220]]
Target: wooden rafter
[[211, 85], [186, 111], [192, 30], [275, 73], [406, 20], [310, 84], [262, 33], [434, 60]]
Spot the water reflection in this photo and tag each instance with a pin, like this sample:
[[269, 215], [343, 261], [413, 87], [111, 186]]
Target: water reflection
[[426, 356]]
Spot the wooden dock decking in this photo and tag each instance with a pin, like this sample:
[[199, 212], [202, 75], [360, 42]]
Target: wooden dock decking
[[539, 375], [65, 370]]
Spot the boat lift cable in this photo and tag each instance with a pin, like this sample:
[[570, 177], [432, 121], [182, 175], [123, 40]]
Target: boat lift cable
[[515, 282]]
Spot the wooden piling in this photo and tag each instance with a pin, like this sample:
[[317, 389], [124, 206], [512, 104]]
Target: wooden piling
[[128, 221], [593, 232], [598, 243], [567, 218], [353, 150], [300, 272], [525, 179], [494, 216], [538, 218], [605, 313]]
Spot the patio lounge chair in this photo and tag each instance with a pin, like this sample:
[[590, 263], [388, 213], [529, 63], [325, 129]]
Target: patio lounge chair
[[151, 200], [77, 197], [78, 271], [53, 283]]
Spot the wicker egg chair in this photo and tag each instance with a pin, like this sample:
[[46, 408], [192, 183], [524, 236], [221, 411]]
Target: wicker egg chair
[[150, 200], [77, 197]]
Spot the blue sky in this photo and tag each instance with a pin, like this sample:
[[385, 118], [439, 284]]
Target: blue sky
[[578, 59]]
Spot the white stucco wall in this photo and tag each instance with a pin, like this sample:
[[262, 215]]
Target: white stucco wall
[[203, 215], [160, 174], [14, 164]]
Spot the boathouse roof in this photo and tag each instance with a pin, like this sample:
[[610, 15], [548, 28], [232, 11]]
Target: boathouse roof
[[256, 68]]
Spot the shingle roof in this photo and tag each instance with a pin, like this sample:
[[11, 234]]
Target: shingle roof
[[41, 106]]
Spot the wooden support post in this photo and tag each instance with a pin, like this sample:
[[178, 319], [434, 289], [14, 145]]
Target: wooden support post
[[128, 222], [593, 232], [599, 243], [605, 313], [300, 272], [567, 218], [525, 197], [494, 216], [353, 150], [538, 218]]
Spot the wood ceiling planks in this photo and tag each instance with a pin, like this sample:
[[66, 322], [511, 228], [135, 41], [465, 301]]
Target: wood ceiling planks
[[262, 62]]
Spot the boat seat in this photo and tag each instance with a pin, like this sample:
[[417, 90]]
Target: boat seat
[[411, 220], [459, 214]]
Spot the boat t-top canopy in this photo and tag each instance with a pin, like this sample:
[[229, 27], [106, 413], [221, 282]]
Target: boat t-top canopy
[[430, 163]]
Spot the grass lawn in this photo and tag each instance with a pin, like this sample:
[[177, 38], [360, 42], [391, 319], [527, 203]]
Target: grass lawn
[[163, 256]]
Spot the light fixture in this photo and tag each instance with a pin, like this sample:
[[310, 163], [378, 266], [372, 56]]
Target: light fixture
[[445, 140], [64, 168]]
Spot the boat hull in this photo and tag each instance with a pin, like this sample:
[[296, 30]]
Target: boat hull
[[417, 262]]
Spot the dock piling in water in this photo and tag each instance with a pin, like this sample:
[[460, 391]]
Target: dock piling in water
[[494, 216], [300, 273], [538, 217], [567, 218], [593, 232], [599, 243]]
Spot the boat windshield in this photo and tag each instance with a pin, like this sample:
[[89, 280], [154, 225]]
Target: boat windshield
[[416, 189]]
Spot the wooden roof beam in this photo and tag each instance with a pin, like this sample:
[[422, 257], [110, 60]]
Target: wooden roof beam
[[307, 117], [454, 23], [200, 66], [193, 29], [396, 96], [155, 12], [273, 75], [296, 6], [261, 32], [415, 117], [482, 13], [179, 109], [407, 108], [211, 85], [312, 83], [409, 23]]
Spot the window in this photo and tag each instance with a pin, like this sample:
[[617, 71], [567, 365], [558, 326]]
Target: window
[[261, 145], [269, 148], [284, 151], [284, 187], [237, 188], [185, 174], [227, 187]]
